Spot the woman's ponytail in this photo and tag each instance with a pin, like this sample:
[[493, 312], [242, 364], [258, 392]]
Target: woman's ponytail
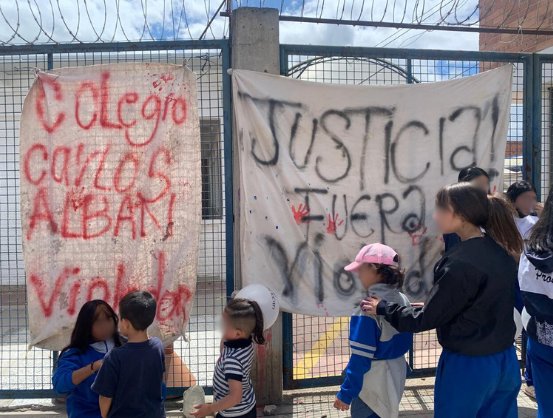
[[501, 226], [247, 317]]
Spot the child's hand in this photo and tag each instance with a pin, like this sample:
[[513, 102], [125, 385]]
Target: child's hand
[[369, 305], [202, 410], [97, 365], [340, 406]]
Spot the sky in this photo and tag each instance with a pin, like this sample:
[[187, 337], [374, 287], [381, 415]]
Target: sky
[[42, 21]]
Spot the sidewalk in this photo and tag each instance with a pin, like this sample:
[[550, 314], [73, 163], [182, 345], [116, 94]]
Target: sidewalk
[[310, 403]]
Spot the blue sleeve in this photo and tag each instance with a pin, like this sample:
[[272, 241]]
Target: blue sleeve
[[68, 362], [107, 378], [364, 335]]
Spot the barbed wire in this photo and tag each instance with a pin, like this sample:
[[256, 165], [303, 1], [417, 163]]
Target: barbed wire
[[73, 21]]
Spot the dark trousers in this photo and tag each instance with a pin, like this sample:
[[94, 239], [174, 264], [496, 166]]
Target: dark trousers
[[251, 414], [360, 409], [542, 361]]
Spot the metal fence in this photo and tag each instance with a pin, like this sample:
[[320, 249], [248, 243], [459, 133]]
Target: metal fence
[[26, 372], [316, 349]]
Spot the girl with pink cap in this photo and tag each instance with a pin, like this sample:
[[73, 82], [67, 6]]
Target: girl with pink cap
[[375, 375]]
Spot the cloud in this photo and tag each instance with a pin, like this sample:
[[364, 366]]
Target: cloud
[[61, 21], [23, 22], [308, 33]]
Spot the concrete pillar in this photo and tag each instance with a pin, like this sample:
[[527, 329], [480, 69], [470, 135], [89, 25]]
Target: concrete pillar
[[255, 46]]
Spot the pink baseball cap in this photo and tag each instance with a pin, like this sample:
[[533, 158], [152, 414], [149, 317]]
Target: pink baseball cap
[[374, 254]]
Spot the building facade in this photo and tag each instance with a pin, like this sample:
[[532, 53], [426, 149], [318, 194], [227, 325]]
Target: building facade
[[530, 14]]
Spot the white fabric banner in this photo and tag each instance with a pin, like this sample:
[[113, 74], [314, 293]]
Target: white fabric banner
[[110, 193], [327, 168]]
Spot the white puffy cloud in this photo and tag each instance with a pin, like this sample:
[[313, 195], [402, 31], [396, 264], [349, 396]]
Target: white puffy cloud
[[44, 21]]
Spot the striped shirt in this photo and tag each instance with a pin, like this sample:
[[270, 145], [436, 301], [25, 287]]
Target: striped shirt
[[235, 363]]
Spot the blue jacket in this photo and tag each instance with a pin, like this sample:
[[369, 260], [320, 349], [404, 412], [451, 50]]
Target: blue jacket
[[82, 402], [373, 339]]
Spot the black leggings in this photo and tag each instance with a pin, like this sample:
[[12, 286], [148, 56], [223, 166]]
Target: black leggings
[[251, 414]]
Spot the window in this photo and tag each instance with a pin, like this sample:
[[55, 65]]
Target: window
[[212, 190]]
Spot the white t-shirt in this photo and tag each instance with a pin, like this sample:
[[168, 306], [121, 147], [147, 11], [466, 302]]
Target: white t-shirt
[[524, 225]]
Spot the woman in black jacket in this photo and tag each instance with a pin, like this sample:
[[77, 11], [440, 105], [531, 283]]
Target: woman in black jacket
[[471, 305]]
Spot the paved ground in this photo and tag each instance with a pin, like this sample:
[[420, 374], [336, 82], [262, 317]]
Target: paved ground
[[313, 403]]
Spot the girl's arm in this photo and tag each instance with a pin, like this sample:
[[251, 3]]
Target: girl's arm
[[233, 398], [105, 404], [84, 372], [70, 371], [456, 284]]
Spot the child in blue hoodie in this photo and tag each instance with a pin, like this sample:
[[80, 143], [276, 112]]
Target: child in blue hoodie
[[376, 372], [95, 333]]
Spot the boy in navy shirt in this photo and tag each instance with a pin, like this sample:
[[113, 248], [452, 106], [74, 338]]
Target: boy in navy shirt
[[131, 378]]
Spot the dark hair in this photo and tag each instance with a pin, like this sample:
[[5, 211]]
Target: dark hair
[[391, 275], [139, 308], [81, 337], [474, 206], [470, 173], [518, 188], [246, 316], [502, 228], [467, 201], [541, 237]]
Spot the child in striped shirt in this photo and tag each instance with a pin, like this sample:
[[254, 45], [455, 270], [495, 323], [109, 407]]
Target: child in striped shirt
[[232, 388]]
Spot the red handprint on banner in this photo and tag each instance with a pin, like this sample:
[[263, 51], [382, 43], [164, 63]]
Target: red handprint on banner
[[416, 237], [333, 222], [300, 213]]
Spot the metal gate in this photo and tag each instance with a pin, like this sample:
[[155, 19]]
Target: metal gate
[[316, 349], [26, 372]]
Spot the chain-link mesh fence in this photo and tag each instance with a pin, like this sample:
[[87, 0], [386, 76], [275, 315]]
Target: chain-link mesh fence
[[25, 370], [320, 345]]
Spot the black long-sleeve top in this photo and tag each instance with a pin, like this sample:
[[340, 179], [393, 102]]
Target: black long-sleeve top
[[471, 304]]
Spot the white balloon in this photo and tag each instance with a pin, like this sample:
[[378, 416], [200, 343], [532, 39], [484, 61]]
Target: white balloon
[[518, 323], [265, 298]]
